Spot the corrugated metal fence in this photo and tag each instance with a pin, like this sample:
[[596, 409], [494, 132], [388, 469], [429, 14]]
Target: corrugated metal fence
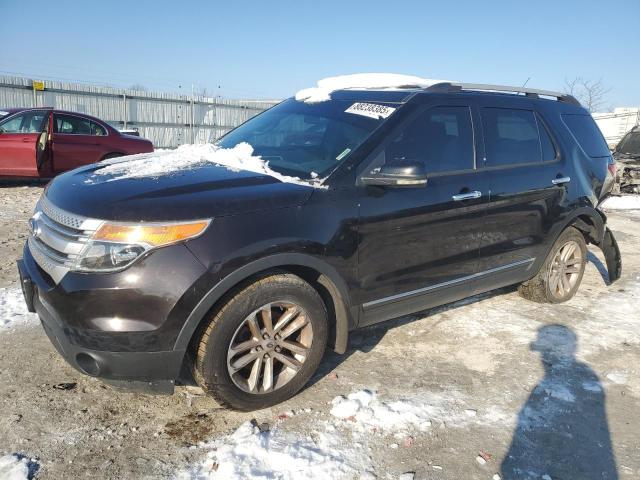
[[167, 119]]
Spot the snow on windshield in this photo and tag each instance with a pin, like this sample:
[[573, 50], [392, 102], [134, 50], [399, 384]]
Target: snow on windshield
[[167, 162], [322, 92]]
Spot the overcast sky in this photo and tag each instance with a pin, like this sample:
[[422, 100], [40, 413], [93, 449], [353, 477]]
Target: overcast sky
[[270, 49]]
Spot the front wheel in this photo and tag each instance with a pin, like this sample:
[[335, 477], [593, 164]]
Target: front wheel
[[263, 344], [561, 274]]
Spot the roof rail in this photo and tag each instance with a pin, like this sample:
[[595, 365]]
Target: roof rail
[[449, 87]]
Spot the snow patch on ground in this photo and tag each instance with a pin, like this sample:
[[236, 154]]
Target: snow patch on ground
[[625, 202], [13, 310], [338, 448], [250, 453], [618, 378], [366, 412], [514, 321], [14, 468], [158, 164], [326, 86]]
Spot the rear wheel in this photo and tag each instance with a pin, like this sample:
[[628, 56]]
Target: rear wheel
[[561, 274], [263, 345]]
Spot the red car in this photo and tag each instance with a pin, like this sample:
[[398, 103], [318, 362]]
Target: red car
[[42, 142]]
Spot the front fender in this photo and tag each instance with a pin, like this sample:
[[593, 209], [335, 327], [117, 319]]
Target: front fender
[[329, 278]]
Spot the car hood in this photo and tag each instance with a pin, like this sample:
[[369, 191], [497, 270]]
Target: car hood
[[626, 157], [198, 192]]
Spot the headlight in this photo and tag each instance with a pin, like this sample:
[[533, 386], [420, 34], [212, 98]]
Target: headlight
[[114, 246]]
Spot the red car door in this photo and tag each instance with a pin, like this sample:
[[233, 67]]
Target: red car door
[[76, 141], [20, 135]]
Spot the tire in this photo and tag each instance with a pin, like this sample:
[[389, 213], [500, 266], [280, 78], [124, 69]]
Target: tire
[[544, 287], [240, 323]]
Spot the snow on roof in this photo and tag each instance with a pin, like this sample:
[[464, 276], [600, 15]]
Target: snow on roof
[[372, 81], [167, 162]]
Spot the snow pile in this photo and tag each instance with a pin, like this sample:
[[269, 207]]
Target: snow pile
[[626, 202], [365, 411], [185, 157], [13, 310], [14, 468], [250, 453], [322, 92]]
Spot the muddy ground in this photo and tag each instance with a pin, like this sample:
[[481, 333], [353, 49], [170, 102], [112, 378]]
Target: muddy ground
[[530, 407]]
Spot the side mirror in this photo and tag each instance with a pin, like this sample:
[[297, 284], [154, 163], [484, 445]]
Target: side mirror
[[400, 174]]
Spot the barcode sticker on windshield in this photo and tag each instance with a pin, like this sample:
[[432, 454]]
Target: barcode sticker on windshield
[[371, 110]]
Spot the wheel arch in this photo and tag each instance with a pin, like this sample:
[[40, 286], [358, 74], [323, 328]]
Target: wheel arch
[[591, 226], [586, 219], [323, 277], [112, 155]]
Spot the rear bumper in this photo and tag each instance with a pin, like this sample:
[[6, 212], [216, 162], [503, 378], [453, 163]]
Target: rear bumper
[[145, 360]]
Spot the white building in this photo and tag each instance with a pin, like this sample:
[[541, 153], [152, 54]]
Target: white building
[[615, 124]]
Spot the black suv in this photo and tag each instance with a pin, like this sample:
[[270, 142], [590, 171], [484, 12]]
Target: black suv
[[403, 199]]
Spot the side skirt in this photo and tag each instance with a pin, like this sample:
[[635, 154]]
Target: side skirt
[[442, 293]]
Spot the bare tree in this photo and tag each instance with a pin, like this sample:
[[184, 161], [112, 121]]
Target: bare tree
[[138, 87], [202, 92], [590, 93]]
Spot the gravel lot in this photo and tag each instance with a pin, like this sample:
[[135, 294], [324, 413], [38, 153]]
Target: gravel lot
[[484, 387]]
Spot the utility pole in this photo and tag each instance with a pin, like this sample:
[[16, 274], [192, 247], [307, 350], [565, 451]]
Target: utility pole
[[124, 109], [192, 114]]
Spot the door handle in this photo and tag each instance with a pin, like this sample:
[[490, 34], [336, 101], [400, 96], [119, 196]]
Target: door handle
[[26, 140], [466, 196], [561, 180]]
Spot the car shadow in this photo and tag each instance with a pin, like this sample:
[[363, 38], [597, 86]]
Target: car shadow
[[604, 273], [367, 338], [35, 182], [562, 430]]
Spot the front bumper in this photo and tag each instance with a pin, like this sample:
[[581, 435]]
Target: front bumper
[[143, 360]]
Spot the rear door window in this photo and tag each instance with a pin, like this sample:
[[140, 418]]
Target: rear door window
[[587, 134], [440, 137], [73, 125], [511, 136]]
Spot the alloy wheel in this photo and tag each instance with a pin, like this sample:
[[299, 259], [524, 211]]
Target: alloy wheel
[[565, 269], [269, 347]]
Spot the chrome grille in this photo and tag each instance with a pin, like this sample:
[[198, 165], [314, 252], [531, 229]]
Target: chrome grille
[[59, 216], [58, 237]]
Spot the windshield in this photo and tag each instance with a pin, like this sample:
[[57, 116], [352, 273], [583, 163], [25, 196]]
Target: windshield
[[630, 144], [306, 140]]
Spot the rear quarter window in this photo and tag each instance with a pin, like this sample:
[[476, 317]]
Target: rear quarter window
[[587, 134]]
